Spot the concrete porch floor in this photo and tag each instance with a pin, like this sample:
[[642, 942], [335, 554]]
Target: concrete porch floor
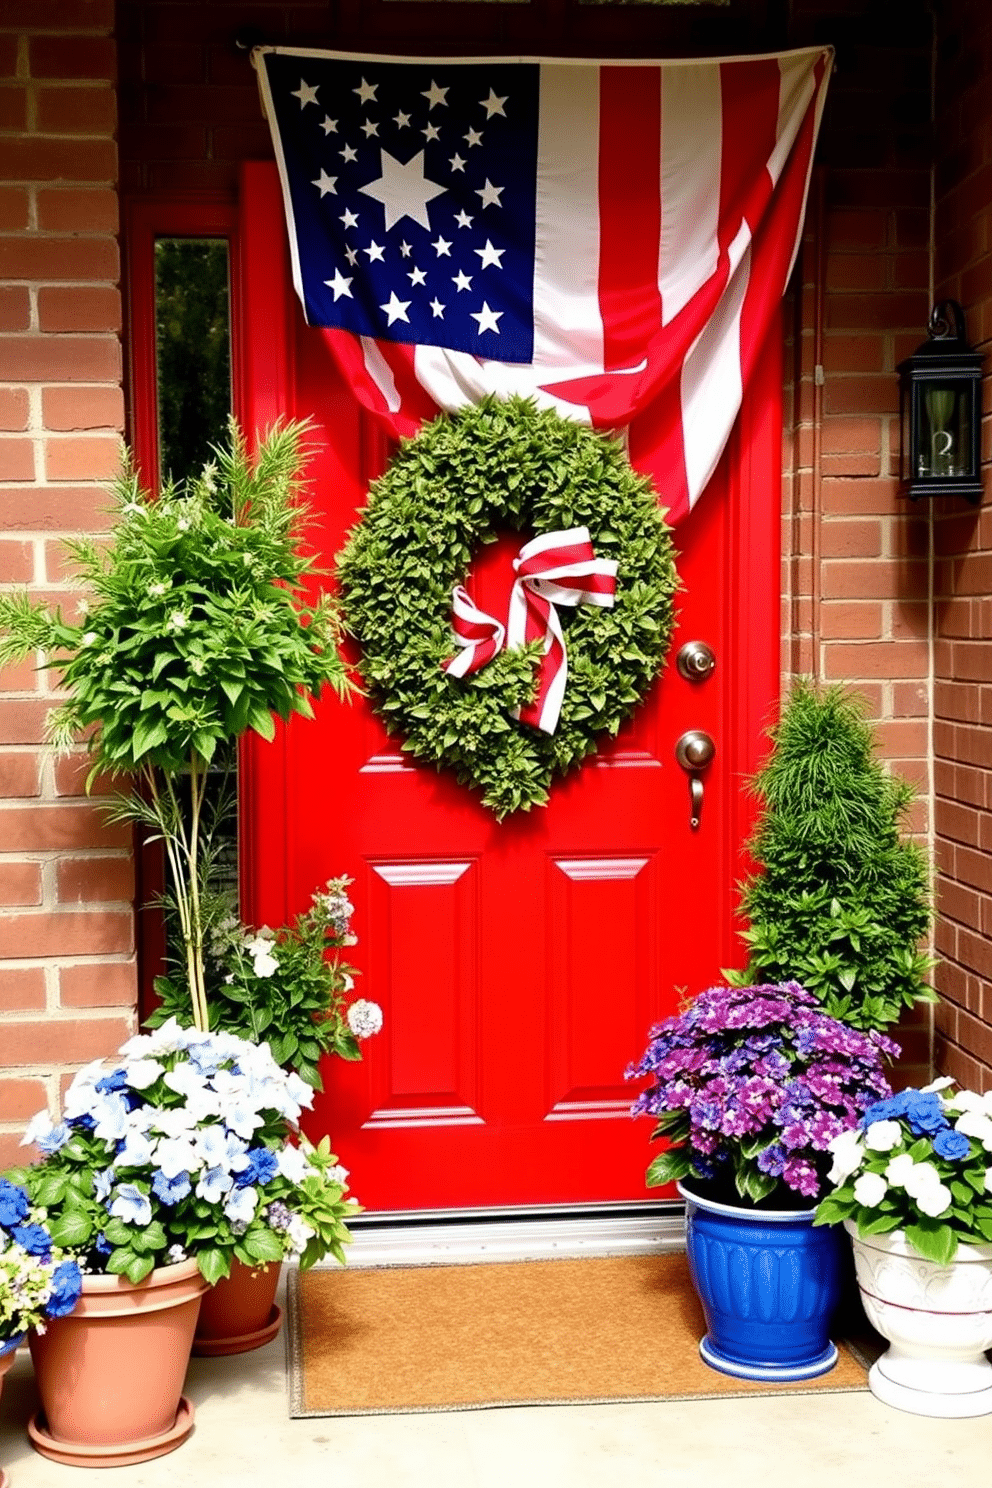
[[244, 1437]]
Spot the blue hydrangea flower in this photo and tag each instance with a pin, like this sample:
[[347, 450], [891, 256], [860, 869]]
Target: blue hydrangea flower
[[13, 1204], [115, 1081], [925, 1113], [952, 1145], [263, 1166], [131, 1205], [34, 1238], [54, 1139], [67, 1283]]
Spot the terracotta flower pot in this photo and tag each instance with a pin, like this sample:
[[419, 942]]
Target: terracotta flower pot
[[111, 1374], [239, 1313], [7, 1351]]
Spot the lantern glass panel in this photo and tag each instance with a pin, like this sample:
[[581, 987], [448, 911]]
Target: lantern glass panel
[[945, 432]]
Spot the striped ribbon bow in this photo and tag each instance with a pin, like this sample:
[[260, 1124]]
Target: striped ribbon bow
[[557, 568]]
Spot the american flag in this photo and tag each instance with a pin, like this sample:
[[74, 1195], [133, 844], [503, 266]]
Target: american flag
[[611, 239]]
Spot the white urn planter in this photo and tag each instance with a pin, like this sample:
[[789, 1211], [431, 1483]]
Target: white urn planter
[[938, 1320]]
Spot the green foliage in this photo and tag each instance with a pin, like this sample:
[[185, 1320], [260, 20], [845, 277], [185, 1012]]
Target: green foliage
[[449, 491], [197, 627], [285, 987], [842, 903]]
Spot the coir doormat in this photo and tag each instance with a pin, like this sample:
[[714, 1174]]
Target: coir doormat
[[464, 1337]]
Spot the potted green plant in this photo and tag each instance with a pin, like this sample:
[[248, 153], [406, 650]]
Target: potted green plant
[[290, 989], [197, 626], [914, 1192], [841, 901], [749, 1086], [166, 1164]]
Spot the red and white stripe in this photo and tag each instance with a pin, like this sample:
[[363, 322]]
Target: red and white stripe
[[670, 201], [557, 568]]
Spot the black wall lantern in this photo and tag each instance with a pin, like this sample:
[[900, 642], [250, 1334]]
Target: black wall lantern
[[940, 404]]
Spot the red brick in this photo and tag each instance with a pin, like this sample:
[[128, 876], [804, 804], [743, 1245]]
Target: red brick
[[851, 539], [861, 395], [60, 259], [15, 310], [13, 408], [850, 435], [13, 107], [847, 352], [79, 308], [83, 408], [873, 579], [886, 659], [851, 621], [98, 984], [35, 158], [77, 110], [72, 771], [16, 560], [56, 508], [66, 933], [54, 1041], [8, 56], [62, 359], [16, 459], [88, 458], [22, 988], [20, 1099], [858, 271], [53, 828], [11, 1151], [72, 56], [19, 775], [856, 229], [67, 210], [93, 880]]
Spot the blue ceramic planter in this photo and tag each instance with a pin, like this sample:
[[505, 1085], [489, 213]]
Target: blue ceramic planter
[[769, 1284]]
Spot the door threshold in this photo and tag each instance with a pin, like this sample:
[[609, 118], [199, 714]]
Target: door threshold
[[468, 1236]]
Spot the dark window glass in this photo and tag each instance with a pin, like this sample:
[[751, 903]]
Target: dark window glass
[[193, 351]]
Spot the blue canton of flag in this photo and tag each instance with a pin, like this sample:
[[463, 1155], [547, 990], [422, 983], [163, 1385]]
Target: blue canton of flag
[[412, 191]]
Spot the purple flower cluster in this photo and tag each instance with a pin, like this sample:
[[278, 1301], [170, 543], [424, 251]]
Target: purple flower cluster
[[760, 1078]]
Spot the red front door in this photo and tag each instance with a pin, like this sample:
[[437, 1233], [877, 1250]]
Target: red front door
[[519, 966]]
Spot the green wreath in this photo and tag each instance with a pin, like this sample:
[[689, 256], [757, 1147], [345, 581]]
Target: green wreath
[[496, 466]]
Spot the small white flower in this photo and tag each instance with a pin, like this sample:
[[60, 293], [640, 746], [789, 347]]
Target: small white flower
[[944, 1083], [264, 965], [158, 589], [870, 1189], [898, 1170], [882, 1136], [142, 1073], [177, 1155], [924, 1176], [848, 1154], [38, 1127], [364, 1018], [337, 1174], [934, 1199], [175, 1254], [240, 1207], [974, 1123], [294, 1167], [298, 1232], [178, 620], [347, 982], [89, 638]]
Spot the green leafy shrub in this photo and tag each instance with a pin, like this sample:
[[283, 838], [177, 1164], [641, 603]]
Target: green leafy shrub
[[842, 902]]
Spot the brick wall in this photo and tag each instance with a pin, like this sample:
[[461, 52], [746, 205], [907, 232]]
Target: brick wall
[[67, 983], [963, 572], [855, 556]]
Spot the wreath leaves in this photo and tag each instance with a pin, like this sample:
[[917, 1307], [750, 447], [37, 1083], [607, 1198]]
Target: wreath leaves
[[447, 492]]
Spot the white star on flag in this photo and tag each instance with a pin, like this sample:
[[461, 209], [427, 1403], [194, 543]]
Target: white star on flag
[[461, 280], [305, 93], [367, 91], [431, 132], [404, 190], [417, 276], [349, 218], [442, 247], [351, 255], [375, 252], [456, 162], [473, 138], [490, 194], [402, 120], [435, 95], [490, 256], [463, 219], [437, 309], [348, 154], [487, 318], [329, 126], [493, 105], [326, 184], [340, 285], [396, 308], [369, 129]]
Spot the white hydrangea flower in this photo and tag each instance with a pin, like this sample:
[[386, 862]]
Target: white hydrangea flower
[[364, 1018], [975, 1123], [143, 1072], [944, 1083], [293, 1166], [898, 1169], [923, 1176], [870, 1189], [882, 1136]]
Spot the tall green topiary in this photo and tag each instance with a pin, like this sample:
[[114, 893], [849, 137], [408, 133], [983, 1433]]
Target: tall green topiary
[[842, 903]]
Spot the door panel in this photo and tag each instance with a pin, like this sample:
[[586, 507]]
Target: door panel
[[519, 965]]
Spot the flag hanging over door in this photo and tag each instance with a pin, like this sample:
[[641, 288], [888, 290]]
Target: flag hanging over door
[[611, 239]]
